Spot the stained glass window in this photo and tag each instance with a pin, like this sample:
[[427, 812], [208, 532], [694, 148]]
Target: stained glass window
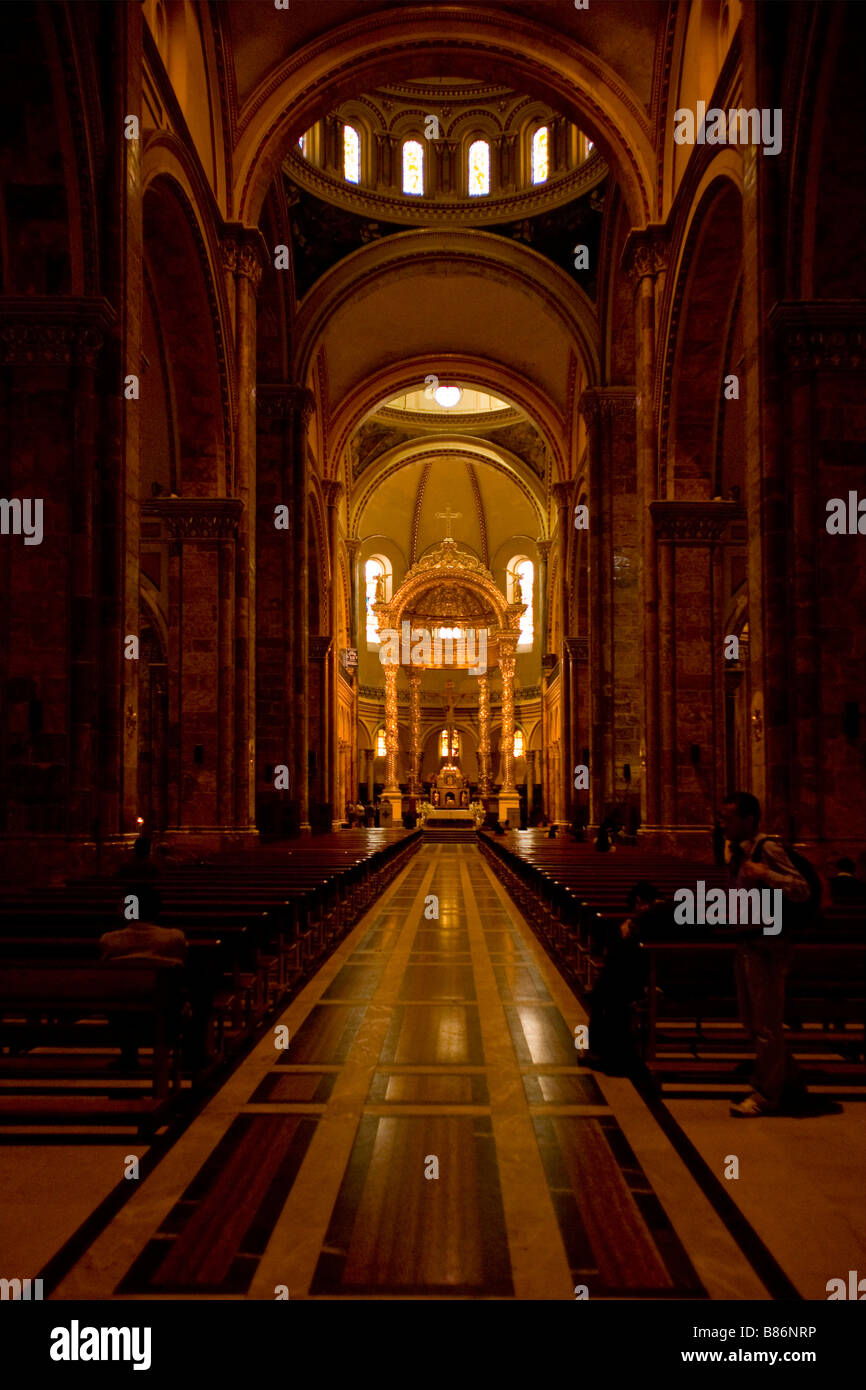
[[540, 163], [302, 145], [413, 167], [351, 154], [521, 578], [518, 743], [381, 750], [375, 577], [479, 168], [443, 744]]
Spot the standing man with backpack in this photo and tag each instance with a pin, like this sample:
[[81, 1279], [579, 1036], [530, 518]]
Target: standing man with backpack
[[762, 962]]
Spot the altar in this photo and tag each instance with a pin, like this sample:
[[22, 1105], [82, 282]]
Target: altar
[[449, 789], [450, 815]]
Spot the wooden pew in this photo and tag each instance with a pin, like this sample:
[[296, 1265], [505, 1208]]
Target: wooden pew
[[73, 1006]]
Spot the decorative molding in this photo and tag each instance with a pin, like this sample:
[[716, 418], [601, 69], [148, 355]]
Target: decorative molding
[[820, 334], [694, 521], [416, 517], [438, 420], [431, 211], [578, 649], [196, 518], [332, 490], [49, 331], [479, 511]]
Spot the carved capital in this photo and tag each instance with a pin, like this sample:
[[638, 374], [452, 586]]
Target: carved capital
[[53, 331], [578, 649], [695, 521], [562, 493], [543, 545], [646, 252], [820, 335], [283, 400], [611, 402], [243, 252], [319, 647], [196, 518], [333, 491]]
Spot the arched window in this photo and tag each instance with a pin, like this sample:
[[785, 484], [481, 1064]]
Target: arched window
[[455, 744], [521, 581], [413, 167], [381, 750], [540, 161], [377, 583], [351, 154], [518, 743], [479, 168]]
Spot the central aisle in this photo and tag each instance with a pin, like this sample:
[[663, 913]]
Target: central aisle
[[426, 1045]]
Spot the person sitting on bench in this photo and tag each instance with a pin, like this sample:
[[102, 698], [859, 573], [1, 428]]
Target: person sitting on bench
[[622, 981], [143, 942]]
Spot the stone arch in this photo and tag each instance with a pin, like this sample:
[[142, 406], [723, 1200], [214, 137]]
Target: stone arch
[[704, 303], [375, 49], [189, 325]]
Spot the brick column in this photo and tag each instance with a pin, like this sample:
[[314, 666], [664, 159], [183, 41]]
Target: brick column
[[244, 254], [51, 350], [283, 413], [563, 494], [333, 490], [644, 261]]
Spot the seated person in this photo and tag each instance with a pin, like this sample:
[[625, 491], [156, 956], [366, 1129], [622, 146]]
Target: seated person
[[140, 866], [845, 887], [143, 939], [141, 942], [622, 981]]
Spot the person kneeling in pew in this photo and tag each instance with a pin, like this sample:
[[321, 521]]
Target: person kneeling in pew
[[143, 942]]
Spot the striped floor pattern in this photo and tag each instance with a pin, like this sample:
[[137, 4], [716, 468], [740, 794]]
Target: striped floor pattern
[[426, 1133]]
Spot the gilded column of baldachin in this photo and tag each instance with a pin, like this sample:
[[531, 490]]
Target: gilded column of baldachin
[[391, 742], [484, 733], [415, 724], [506, 666]]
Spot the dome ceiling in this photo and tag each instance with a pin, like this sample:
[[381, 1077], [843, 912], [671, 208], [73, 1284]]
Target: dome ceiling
[[445, 117]]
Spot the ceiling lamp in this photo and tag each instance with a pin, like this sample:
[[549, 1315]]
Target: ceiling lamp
[[447, 396]]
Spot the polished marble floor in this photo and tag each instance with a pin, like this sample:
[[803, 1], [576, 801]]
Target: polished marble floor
[[426, 1133]]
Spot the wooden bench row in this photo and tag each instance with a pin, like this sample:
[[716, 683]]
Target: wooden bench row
[[254, 932], [574, 902]]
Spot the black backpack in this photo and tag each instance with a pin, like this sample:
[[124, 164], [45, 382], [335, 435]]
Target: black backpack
[[802, 916]]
